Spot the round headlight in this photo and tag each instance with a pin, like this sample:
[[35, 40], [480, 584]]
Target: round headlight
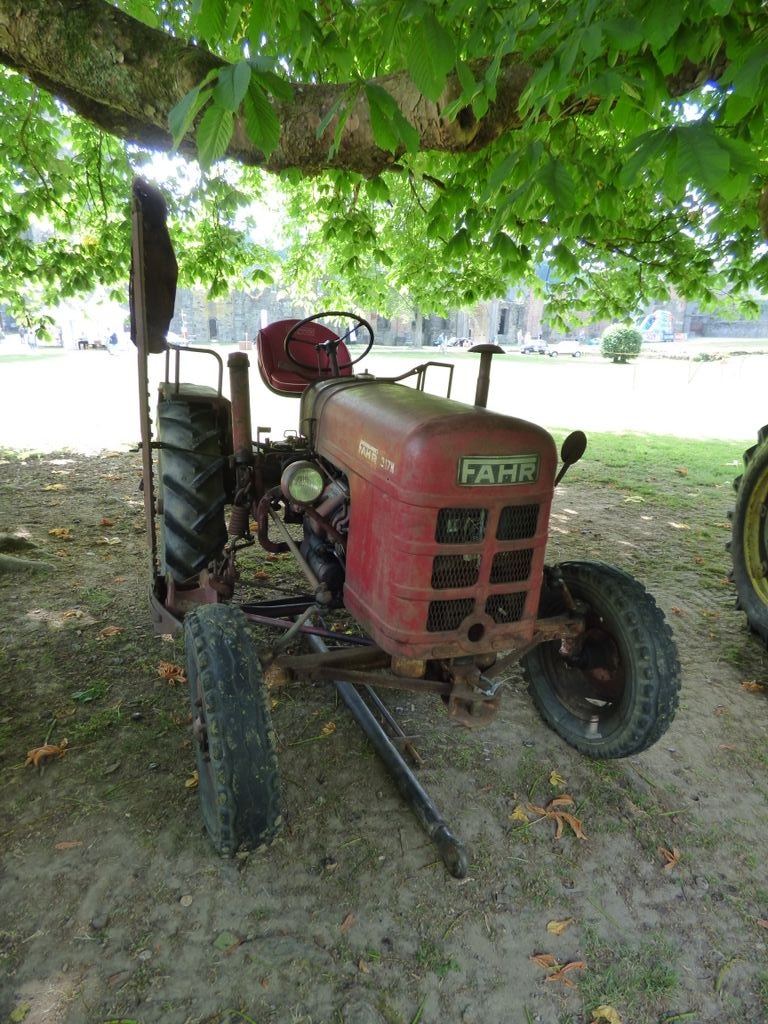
[[302, 482]]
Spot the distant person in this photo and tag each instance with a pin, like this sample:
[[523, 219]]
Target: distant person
[[112, 343]]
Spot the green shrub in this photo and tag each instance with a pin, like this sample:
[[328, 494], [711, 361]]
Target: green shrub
[[620, 343]]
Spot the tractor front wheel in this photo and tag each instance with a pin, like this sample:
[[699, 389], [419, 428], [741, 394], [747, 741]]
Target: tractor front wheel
[[232, 729], [749, 536], [614, 691]]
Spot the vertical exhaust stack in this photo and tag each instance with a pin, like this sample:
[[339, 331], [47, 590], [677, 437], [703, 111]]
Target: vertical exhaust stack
[[487, 353]]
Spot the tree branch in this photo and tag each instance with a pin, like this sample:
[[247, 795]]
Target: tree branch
[[125, 77]]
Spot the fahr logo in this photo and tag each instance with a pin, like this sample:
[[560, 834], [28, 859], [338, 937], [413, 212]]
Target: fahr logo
[[498, 470]]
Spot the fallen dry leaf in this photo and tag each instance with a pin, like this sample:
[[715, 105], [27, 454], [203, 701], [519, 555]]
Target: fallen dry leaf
[[111, 631], [109, 541], [545, 960], [55, 487], [606, 1015], [561, 818], [68, 844], [519, 814], [106, 522], [681, 471], [175, 674], [672, 857], [563, 800], [37, 756], [193, 781], [763, 922], [556, 779], [676, 611], [363, 967], [558, 927], [574, 965], [347, 923], [62, 532], [752, 686], [329, 728]]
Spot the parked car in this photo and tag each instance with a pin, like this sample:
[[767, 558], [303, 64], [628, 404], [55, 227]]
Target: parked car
[[567, 347], [536, 346]]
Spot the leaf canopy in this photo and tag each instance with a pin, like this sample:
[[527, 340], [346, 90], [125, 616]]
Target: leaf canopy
[[422, 153]]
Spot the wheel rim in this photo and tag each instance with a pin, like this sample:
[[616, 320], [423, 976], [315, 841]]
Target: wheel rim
[[755, 532], [588, 676]]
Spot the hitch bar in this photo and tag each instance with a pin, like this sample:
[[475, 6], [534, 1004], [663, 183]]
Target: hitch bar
[[450, 848]]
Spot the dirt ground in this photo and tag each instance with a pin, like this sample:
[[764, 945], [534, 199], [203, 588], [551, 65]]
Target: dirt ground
[[113, 906]]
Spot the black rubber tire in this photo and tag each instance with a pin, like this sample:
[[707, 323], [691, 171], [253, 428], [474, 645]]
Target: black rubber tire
[[749, 537], [621, 695], [192, 487], [238, 780]]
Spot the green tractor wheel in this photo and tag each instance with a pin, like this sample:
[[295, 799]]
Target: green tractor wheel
[[749, 536]]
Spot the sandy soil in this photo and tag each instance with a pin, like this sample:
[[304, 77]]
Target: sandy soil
[[113, 906]]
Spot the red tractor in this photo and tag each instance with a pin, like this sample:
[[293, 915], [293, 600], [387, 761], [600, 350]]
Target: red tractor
[[423, 518]]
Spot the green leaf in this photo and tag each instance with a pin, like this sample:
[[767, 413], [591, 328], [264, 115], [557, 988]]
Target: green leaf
[[261, 21], [558, 182], [233, 85], [746, 76], [459, 245], [273, 83], [260, 119], [211, 19], [213, 134], [499, 175], [647, 148], [624, 34], [384, 132], [661, 19], [431, 55], [183, 114], [700, 155], [466, 78], [390, 128]]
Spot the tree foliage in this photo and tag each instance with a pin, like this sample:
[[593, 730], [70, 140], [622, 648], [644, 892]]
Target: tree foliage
[[431, 152], [621, 343]]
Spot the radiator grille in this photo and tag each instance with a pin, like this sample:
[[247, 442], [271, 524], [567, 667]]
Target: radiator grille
[[511, 566], [461, 525], [517, 522], [448, 615], [455, 571], [505, 607]]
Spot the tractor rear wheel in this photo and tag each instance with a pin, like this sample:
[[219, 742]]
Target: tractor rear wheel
[[235, 744], [749, 536], [192, 486], [616, 692]]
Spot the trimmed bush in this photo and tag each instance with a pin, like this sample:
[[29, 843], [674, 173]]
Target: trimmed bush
[[620, 343]]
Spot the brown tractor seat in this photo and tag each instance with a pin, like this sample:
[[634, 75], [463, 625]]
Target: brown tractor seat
[[279, 373]]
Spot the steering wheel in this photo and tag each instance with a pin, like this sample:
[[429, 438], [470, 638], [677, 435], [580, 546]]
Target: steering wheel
[[329, 346]]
